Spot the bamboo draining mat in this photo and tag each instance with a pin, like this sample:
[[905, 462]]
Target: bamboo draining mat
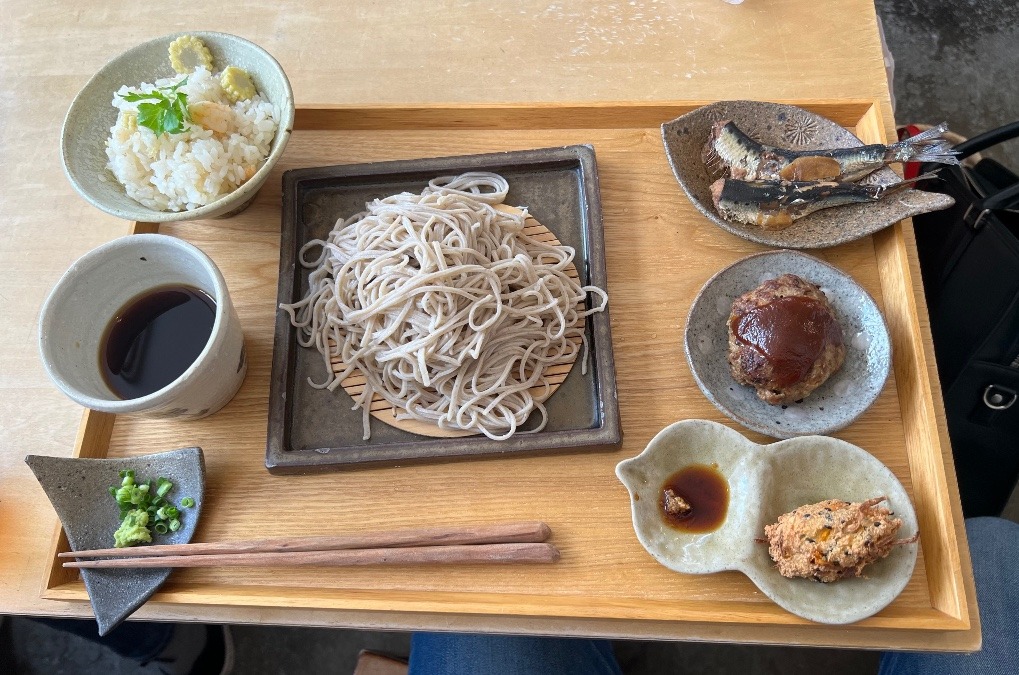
[[660, 251]]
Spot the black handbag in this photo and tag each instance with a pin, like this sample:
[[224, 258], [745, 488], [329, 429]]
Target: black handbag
[[969, 259]]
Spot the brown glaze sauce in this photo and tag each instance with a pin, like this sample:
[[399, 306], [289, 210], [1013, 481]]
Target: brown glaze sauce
[[705, 489], [790, 333]]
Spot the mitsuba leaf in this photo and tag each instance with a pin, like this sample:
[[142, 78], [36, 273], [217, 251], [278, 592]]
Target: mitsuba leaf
[[138, 96], [150, 115], [164, 111]]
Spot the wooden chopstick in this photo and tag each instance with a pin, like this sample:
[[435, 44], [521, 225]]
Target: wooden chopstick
[[499, 533], [412, 555]]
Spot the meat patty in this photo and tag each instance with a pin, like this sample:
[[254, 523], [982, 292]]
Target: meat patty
[[784, 339]]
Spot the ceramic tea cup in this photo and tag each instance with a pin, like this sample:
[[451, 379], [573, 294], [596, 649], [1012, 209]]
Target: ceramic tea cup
[[100, 286]]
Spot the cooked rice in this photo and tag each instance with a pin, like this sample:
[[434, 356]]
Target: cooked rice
[[178, 172]]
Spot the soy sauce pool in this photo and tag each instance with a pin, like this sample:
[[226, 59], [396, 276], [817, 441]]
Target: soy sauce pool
[[154, 338], [705, 489]]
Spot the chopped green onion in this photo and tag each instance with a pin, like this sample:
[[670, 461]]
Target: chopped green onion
[[147, 506]]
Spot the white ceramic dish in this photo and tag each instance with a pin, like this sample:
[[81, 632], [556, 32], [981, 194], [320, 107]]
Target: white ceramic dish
[[766, 481], [832, 406]]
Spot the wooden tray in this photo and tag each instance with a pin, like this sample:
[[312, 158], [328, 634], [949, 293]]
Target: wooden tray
[[660, 250]]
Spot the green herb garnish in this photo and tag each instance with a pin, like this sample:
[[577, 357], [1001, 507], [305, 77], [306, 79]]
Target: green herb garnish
[[144, 506], [163, 110]]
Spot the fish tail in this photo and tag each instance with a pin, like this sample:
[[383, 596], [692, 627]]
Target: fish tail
[[927, 146], [933, 134], [942, 153]]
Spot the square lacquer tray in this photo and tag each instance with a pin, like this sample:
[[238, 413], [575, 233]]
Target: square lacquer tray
[[313, 428]]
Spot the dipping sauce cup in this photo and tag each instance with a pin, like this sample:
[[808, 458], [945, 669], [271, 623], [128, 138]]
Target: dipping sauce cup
[[76, 316]]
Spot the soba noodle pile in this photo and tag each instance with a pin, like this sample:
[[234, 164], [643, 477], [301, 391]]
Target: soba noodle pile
[[451, 313]]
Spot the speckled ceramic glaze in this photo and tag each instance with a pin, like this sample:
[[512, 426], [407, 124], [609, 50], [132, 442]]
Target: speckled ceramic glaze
[[766, 481], [88, 121], [79, 492], [75, 315], [786, 126], [830, 407]]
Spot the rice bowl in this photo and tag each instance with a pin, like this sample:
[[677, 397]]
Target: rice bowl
[[87, 129]]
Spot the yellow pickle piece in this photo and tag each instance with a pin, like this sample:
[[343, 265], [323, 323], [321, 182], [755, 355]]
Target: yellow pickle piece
[[187, 53], [128, 120], [237, 83]]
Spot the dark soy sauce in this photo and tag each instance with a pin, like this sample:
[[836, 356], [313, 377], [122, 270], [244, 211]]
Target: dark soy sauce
[[705, 489], [154, 338]]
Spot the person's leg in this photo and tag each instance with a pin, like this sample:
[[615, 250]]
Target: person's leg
[[136, 641], [171, 648], [994, 548], [463, 654]]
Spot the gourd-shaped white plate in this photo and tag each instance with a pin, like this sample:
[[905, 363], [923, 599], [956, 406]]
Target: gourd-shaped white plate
[[766, 481]]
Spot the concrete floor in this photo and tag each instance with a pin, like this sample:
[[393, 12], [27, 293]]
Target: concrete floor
[[956, 61]]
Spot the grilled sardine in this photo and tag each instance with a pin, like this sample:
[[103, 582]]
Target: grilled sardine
[[731, 151], [774, 205]]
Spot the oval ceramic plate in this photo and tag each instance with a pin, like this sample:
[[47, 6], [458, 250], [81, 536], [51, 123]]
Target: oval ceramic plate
[[766, 481], [830, 407], [787, 126], [78, 489]]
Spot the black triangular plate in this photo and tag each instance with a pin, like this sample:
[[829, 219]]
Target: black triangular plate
[[79, 492]]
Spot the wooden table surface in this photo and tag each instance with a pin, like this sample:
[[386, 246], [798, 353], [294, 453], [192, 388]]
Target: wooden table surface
[[382, 52]]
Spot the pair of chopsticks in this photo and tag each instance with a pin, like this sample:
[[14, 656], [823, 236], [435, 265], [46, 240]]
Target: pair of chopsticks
[[499, 543]]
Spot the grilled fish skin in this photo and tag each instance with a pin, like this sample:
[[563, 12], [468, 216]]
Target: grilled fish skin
[[775, 205], [730, 150]]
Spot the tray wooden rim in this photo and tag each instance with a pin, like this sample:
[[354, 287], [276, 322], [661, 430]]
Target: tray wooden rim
[[943, 538]]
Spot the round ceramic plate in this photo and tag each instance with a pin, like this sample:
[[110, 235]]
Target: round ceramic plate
[[766, 481], [830, 407], [787, 126]]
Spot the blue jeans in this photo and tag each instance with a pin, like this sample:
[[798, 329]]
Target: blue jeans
[[461, 654], [994, 546]]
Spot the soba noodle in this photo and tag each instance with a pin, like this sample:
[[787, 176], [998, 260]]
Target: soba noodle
[[446, 307]]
